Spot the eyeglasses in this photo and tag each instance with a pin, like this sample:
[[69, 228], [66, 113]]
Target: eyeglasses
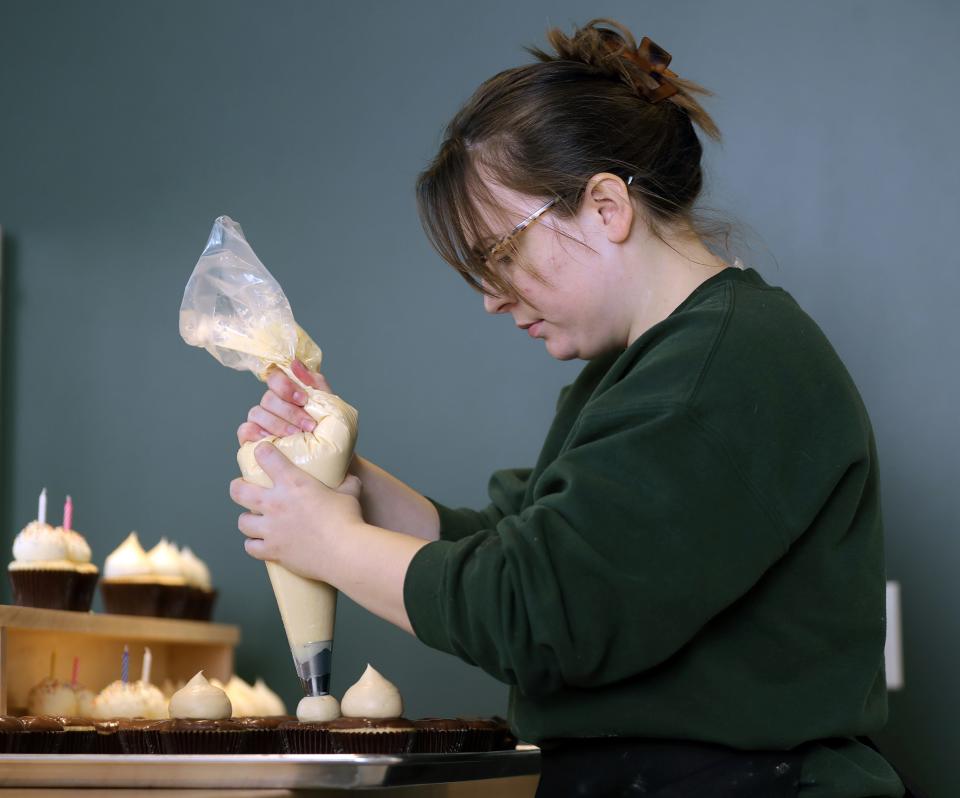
[[523, 225]]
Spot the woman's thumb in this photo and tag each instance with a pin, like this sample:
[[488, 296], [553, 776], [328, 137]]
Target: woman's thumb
[[351, 485]]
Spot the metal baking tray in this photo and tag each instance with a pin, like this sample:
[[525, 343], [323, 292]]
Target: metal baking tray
[[269, 771]]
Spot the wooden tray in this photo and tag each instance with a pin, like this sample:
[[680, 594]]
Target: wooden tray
[[179, 648]]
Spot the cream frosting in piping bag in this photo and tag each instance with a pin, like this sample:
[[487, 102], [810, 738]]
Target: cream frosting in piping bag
[[235, 309]]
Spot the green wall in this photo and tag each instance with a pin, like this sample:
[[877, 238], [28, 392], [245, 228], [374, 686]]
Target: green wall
[[125, 128]]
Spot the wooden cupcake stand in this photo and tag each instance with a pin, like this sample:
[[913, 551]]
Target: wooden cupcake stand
[[28, 636]]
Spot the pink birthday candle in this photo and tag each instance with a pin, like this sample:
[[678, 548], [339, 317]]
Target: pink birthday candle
[[68, 513], [76, 671]]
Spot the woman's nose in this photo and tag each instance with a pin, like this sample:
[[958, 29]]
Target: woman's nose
[[493, 302]]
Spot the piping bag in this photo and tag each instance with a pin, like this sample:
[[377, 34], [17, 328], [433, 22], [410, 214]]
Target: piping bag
[[235, 309]]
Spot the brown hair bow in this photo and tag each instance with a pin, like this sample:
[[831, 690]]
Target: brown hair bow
[[653, 60]]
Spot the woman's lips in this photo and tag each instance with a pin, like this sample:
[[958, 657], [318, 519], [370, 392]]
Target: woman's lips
[[534, 329]]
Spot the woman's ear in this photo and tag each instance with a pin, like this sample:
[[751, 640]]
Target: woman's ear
[[607, 201]]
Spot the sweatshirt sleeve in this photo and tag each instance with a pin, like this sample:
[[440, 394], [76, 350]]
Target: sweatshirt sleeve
[[506, 490], [639, 533]]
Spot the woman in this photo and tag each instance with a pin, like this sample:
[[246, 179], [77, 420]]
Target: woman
[[686, 592]]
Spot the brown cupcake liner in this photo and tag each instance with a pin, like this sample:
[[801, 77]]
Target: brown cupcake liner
[[138, 741], [261, 741], [367, 742], [84, 587], [294, 740], [51, 590], [79, 742], [201, 742], [144, 599], [107, 743], [199, 604], [439, 741], [36, 742]]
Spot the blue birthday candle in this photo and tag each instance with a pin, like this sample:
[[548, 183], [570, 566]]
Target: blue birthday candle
[[125, 665]]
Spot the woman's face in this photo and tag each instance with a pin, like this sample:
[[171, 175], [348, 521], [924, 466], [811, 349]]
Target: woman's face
[[574, 307]]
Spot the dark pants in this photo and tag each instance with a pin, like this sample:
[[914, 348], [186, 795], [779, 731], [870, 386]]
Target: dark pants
[[617, 766]]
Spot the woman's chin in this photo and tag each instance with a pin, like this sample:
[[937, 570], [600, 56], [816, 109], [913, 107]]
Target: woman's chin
[[560, 350]]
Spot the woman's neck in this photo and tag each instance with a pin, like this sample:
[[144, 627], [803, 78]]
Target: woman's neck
[[663, 275]]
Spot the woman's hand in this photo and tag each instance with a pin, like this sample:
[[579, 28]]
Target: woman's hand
[[280, 411], [296, 521]]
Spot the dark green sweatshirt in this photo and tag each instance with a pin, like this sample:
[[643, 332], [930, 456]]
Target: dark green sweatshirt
[[697, 554]]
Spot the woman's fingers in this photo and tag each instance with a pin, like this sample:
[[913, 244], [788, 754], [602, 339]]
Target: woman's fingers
[[293, 415], [256, 548], [251, 431], [285, 388], [311, 378], [251, 525]]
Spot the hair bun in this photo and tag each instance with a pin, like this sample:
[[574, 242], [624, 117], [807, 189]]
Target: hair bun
[[611, 50]]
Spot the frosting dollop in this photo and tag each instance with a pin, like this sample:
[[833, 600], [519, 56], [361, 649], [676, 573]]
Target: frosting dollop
[[194, 569], [78, 549], [318, 709], [269, 702], [130, 700], [200, 700], [245, 704], [372, 697], [165, 559], [52, 697], [128, 559], [39, 542]]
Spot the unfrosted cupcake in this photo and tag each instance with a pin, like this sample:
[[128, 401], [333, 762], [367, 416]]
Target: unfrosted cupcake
[[371, 721], [51, 569]]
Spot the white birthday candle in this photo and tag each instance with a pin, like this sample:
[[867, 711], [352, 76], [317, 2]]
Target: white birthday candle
[[145, 668], [42, 507]]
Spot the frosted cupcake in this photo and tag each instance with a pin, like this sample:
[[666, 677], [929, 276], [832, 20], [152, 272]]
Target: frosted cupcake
[[53, 697], [200, 594], [200, 721], [135, 706], [371, 721], [163, 582], [138, 583], [51, 568]]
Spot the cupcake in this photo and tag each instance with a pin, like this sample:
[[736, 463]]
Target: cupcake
[[79, 734], [439, 736], [31, 735], [51, 568], [200, 593], [481, 735], [135, 706], [125, 700], [137, 583], [200, 721], [52, 697], [371, 721], [309, 733]]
